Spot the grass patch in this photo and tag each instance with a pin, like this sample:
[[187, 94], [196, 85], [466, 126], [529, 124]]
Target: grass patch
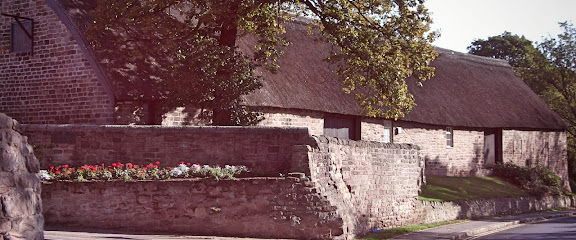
[[466, 188], [393, 232]]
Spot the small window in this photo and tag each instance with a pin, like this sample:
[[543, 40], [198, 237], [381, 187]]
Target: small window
[[388, 131], [449, 137], [22, 36]]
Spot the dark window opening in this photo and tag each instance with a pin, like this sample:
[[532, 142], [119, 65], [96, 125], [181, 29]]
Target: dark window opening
[[21, 36], [342, 127]]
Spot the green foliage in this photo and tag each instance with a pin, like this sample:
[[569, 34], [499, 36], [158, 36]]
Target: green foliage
[[439, 188], [538, 181], [185, 52], [520, 53]]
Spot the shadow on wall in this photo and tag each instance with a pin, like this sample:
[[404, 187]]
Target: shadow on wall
[[183, 116], [452, 166]]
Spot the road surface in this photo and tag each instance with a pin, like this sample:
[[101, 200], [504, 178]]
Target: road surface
[[560, 228]]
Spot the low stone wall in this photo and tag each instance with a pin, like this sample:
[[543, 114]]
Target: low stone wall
[[264, 208], [373, 185], [266, 148], [21, 206], [433, 212]]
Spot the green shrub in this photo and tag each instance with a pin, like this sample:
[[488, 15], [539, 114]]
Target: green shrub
[[538, 181]]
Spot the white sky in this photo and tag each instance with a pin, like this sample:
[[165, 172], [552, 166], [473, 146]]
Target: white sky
[[462, 21]]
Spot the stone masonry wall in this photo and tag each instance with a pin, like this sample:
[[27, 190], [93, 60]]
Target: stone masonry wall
[[262, 207], [275, 117], [54, 84], [265, 148], [533, 148], [433, 212], [21, 211], [466, 158], [374, 185]]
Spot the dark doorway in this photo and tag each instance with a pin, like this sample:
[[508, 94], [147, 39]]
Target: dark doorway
[[492, 146], [342, 127]]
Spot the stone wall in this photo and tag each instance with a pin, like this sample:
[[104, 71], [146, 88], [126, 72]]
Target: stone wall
[[534, 148], [264, 207], [312, 120], [54, 84], [465, 158], [265, 148], [352, 186], [374, 185], [433, 212], [21, 212]]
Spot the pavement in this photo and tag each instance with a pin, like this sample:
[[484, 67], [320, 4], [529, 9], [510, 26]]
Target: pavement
[[473, 228], [452, 231]]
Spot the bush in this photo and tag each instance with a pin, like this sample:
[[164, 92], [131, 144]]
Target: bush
[[537, 181]]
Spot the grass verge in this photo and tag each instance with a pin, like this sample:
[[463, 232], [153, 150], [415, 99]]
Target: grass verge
[[467, 188], [393, 232]]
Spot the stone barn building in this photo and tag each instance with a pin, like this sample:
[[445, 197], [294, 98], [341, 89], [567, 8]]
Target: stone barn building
[[475, 112]]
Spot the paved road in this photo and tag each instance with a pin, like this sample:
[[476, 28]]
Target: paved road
[[560, 228]]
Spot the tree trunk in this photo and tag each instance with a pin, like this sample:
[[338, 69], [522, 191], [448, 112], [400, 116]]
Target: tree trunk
[[228, 35]]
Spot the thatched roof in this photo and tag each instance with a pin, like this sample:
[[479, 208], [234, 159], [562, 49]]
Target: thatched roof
[[467, 91]]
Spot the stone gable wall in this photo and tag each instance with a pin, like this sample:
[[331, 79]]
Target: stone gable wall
[[21, 211], [55, 84], [533, 148]]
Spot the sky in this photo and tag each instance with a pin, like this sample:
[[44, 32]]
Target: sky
[[462, 21]]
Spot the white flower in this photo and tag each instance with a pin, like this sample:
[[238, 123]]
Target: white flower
[[231, 168], [196, 167], [44, 175], [175, 172], [183, 168]]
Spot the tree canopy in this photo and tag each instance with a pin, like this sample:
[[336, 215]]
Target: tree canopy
[[191, 55], [520, 53]]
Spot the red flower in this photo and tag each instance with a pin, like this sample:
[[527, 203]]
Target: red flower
[[57, 172], [65, 166], [157, 162], [189, 164], [114, 165], [182, 162], [129, 165]]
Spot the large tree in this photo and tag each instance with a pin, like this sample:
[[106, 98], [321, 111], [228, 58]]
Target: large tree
[[192, 57], [549, 69], [520, 53]]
